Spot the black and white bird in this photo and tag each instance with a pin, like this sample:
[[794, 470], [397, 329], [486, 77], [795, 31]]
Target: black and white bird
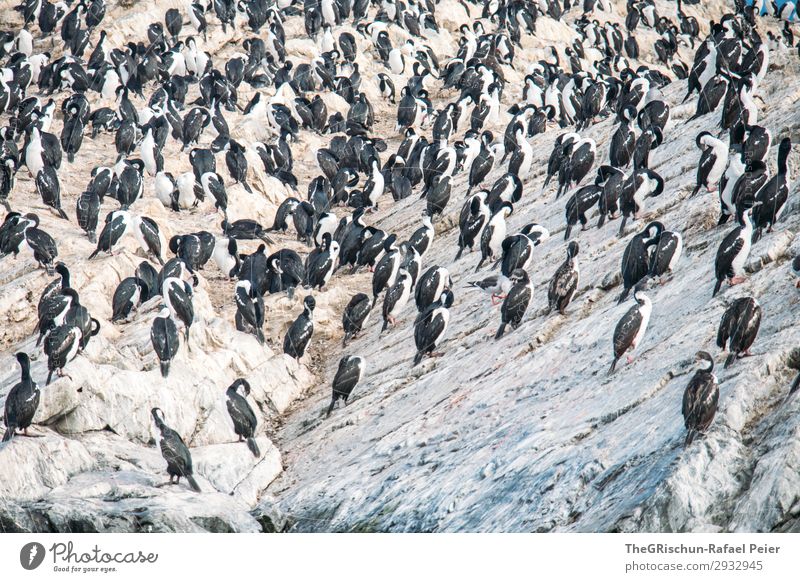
[[565, 281], [175, 452], [22, 401], [700, 399], [298, 336], [516, 301], [518, 247], [242, 415], [665, 251], [636, 257], [348, 375], [713, 162], [770, 200], [422, 238], [494, 234], [430, 286], [738, 328], [129, 294], [431, 325], [733, 252], [165, 339], [149, 237], [61, 347], [88, 212], [321, 263], [49, 189], [177, 295], [118, 224], [387, 268], [474, 216], [249, 310], [396, 298], [355, 316], [630, 329]]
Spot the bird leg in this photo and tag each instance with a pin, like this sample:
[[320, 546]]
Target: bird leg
[[737, 280], [630, 359], [392, 320], [60, 373]]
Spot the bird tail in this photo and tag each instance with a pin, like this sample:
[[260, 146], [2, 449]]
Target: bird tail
[[253, 446], [62, 214], [9, 434], [49, 377], [730, 359], [623, 296], [346, 339], [690, 437], [695, 191], [260, 336], [92, 237], [164, 368], [717, 287], [330, 408], [795, 385], [94, 253], [602, 220], [418, 358], [568, 231], [385, 325], [458, 254], [500, 331], [622, 225], [613, 366], [193, 483]]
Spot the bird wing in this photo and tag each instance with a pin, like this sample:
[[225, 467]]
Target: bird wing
[[626, 330]]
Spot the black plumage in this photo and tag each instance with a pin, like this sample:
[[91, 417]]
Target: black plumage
[[738, 328], [22, 401], [177, 295], [249, 310], [49, 189], [298, 336], [129, 294], [636, 257], [175, 452], [355, 316], [700, 399], [61, 346], [565, 281], [88, 212], [165, 339], [430, 326], [516, 302], [242, 415], [348, 375]]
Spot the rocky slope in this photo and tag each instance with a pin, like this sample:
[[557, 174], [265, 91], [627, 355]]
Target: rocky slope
[[523, 434]]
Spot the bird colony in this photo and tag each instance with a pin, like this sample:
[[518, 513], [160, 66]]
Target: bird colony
[[399, 265]]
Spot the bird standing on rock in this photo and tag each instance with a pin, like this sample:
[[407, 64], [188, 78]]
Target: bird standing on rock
[[175, 452], [242, 415], [351, 369], [22, 401], [700, 399], [516, 302]]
